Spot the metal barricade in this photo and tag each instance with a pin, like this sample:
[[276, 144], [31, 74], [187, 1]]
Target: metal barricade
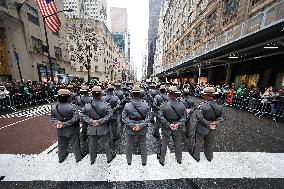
[[5, 103]]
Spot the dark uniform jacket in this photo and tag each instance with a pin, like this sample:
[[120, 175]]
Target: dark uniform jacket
[[152, 94], [160, 99], [82, 100], [119, 94], [208, 112], [168, 115], [131, 116], [114, 103], [100, 111], [68, 114]]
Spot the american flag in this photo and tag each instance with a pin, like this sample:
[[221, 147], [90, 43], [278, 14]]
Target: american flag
[[115, 63], [48, 7], [116, 49]]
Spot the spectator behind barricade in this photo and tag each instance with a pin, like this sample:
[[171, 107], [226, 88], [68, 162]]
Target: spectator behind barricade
[[3, 91], [240, 91], [10, 88], [280, 92], [230, 96], [270, 97]]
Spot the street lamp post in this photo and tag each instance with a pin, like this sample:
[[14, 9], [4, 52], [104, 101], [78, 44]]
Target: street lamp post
[[47, 44]]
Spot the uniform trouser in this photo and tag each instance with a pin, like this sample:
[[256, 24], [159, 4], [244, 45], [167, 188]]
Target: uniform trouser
[[93, 146], [208, 144], [63, 144], [84, 130], [143, 147], [187, 125], [176, 136], [113, 124], [157, 126]]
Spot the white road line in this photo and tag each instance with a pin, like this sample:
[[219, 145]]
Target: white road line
[[18, 122], [224, 165]]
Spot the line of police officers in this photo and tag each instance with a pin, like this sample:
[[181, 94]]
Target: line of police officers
[[137, 108]]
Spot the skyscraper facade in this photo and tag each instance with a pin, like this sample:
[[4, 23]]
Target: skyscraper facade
[[119, 30], [155, 7], [87, 9]]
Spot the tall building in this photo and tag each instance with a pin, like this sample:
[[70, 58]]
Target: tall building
[[22, 33], [118, 18], [226, 41], [87, 9], [119, 29], [158, 57], [155, 7]]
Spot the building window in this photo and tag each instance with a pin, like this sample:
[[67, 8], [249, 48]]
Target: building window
[[37, 45], [71, 48], [96, 58], [189, 41], [254, 2], [58, 53], [198, 34], [32, 15], [3, 3], [81, 68], [96, 68], [230, 10], [199, 8], [211, 22], [190, 19]]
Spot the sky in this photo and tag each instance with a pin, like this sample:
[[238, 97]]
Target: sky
[[138, 23]]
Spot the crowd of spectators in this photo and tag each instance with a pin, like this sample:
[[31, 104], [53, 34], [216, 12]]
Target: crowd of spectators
[[260, 101]]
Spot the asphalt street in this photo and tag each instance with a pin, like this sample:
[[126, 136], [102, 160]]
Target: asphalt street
[[249, 154]]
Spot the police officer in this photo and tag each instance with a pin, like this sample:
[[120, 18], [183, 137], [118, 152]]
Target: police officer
[[209, 116], [158, 100], [126, 94], [73, 94], [65, 117], [189, 105], [152, 93], [97, 114], [173, 116], [136, 117], [81, 101], [114, 103], [118, 92]]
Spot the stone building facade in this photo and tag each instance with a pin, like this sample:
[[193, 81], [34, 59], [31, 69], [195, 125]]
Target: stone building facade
[[21, 27], [91, 40], [87, 9], [195, 28]]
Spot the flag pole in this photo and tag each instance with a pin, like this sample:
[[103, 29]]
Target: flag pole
[[48, 53]]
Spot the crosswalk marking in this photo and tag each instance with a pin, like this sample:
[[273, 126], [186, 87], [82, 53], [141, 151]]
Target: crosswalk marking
[[40, 110], [224, 165]]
